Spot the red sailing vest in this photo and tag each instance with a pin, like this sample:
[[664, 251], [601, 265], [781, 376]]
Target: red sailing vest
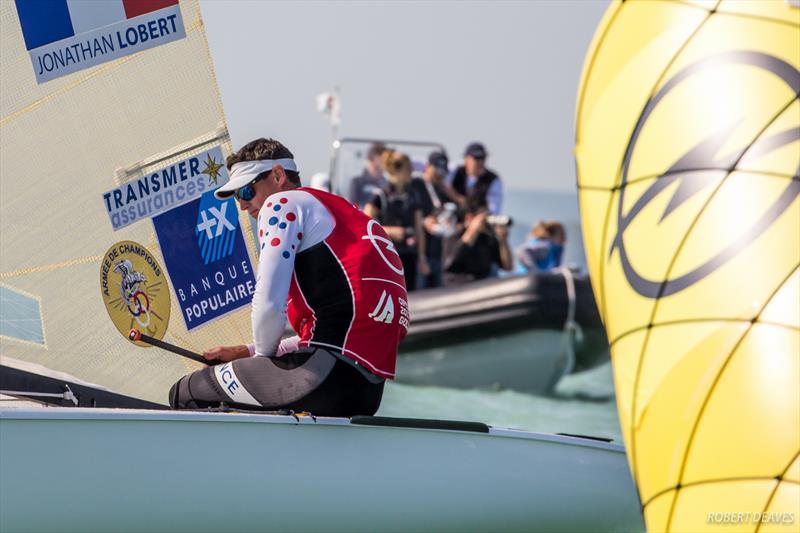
[[348, 293]]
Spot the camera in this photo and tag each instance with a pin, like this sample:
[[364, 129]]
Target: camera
[[446, 221], [500, 220]]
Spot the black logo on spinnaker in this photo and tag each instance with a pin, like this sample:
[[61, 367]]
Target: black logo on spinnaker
[[701, 167]]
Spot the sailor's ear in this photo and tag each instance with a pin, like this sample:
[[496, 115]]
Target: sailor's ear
[[278, 173]]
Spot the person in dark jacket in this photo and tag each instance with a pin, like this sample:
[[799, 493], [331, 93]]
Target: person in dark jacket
[[439, 215], [478, 250], [398, 210], [474, 182]]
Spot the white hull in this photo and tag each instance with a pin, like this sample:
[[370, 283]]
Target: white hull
[[78, 469]]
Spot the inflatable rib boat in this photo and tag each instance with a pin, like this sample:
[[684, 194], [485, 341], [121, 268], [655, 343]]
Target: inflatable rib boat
[[521, 332]]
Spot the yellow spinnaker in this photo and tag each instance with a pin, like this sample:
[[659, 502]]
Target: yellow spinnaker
[[688, 154]]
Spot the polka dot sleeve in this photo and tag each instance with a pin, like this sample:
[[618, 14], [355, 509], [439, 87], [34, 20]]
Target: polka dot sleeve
[[288, 223]]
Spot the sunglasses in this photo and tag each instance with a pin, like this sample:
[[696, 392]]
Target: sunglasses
[[248, 192]]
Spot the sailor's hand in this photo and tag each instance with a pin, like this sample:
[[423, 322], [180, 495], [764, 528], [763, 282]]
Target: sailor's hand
[[225, 354]]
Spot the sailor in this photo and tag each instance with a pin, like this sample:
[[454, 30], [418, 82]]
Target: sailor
[[335, 274]]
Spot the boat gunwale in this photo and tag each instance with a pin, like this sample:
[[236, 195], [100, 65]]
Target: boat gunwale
[[148, 415]]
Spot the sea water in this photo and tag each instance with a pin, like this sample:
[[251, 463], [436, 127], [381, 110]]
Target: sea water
[[581, 404]]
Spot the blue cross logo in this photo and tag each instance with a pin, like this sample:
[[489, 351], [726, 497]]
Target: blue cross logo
[[216, 228]]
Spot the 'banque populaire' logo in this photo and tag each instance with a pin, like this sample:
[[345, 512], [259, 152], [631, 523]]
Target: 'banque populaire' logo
[[702, 167], [134, 290]]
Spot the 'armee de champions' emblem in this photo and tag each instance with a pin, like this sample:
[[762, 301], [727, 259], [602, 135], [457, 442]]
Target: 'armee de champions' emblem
[[134, 290]]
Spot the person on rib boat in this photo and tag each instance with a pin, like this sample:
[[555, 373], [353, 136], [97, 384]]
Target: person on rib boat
[[334, 272], [481, 246], [543, 249], [439, 215], [362, 187], [473, 181], [398, 208]]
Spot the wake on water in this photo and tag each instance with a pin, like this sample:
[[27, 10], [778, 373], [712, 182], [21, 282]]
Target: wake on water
[[582, 404]]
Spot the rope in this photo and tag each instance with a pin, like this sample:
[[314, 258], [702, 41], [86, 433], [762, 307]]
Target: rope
[[66, 395], [573, 334]]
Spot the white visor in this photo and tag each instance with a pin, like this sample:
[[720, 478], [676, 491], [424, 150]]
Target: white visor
[[246, 171]]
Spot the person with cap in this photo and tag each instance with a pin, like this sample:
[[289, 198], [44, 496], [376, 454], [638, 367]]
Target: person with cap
[[332, 271], [473, 179], [372, 181], [438, 203]]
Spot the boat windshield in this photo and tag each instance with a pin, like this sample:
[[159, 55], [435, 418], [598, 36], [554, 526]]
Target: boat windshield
[[350, 158]]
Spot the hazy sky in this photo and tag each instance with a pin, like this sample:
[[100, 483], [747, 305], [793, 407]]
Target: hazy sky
[[505, 73]]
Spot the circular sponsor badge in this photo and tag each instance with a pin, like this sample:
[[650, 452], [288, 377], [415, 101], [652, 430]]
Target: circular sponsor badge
[[135, 290]]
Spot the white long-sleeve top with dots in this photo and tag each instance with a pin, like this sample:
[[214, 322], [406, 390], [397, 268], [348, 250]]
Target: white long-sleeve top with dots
[[289, 223]]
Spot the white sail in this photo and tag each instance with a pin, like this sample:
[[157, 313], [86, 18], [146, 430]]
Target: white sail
[[63, 144]]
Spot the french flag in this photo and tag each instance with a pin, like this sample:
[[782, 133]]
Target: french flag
[[48, 21], [65, 36]]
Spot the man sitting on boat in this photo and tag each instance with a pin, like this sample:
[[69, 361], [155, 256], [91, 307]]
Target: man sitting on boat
[[335, 273]]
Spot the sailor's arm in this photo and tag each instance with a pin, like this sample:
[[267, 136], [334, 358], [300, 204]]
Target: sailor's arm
[[278, 234], [269, 300], [290, 222]]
